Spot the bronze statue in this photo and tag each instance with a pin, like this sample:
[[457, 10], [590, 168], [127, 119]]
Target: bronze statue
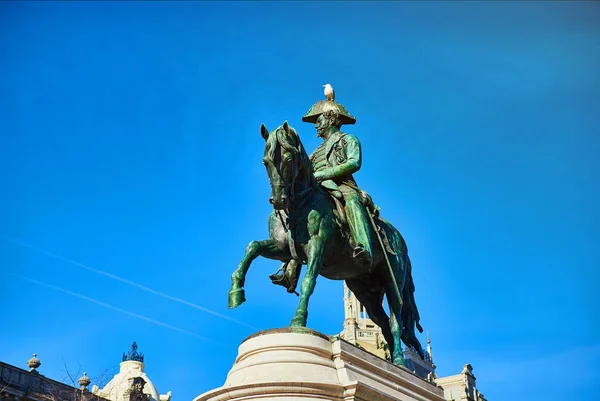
[[322, 219], [334, 162]]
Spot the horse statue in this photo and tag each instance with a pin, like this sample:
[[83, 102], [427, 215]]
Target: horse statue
[[305, 227]]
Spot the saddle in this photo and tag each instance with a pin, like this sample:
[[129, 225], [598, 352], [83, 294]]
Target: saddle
[[338, 199], [366, 200], [289, 273]]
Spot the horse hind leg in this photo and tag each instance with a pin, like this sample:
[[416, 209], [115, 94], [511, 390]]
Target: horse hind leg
[[410, 314], [393, 285], [395, 326], [267, 248], [409, 338], [370, 295]]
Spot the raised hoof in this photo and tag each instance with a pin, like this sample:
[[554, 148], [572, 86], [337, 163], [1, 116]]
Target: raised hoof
[[236, 297]]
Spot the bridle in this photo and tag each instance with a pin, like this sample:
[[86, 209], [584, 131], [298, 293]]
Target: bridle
[[289, 188]]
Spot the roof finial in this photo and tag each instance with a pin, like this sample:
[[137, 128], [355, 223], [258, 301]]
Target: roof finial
[[133, 355], [33, 364], [84, 381]]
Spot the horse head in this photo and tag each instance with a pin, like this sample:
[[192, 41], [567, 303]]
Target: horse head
[[287, 164]]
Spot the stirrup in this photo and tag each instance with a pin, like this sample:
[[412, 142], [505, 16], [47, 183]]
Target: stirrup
[[280, 278], [361, 254]]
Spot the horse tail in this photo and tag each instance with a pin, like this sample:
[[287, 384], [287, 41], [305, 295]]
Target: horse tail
[[408, 293], [409, 313], [398, 244]]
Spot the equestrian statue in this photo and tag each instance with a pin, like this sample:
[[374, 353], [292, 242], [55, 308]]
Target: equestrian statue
[[323, 220]]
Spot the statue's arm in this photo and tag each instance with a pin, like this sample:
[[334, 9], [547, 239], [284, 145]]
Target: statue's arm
[[353, 159]]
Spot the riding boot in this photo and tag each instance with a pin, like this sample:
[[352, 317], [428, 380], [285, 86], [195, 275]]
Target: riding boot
[[287, 276], [359, 227]]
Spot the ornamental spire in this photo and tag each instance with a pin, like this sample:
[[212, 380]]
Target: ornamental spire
[[429, 354], [133, 355]]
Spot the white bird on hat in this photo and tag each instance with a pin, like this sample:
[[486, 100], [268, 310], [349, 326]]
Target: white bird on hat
[[329, 93]]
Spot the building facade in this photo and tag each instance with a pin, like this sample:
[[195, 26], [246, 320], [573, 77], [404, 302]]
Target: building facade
[[130, 384], [461, 386]]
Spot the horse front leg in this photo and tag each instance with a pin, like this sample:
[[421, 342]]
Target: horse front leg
[[268, 248], [315, 250]]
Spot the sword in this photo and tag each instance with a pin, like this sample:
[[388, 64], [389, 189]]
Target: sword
[[387, 261]]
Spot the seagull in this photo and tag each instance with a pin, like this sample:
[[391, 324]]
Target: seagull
[[329, 93]]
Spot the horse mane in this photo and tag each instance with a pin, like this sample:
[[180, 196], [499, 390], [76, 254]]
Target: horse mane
[[291, 143], [271, 147], [304, 159]]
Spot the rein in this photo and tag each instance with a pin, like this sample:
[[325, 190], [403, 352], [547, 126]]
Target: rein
[[289, 223]]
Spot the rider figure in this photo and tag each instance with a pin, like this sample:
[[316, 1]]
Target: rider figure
[[334, 162]]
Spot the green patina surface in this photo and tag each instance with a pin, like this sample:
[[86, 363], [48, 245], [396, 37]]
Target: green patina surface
[[321, 219]]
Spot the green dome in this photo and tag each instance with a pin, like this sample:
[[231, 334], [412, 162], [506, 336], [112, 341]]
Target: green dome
[[325, 105]]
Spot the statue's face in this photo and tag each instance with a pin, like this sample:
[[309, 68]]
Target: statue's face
[[322, 125]]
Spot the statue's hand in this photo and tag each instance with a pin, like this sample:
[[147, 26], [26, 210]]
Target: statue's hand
[[320, 176], [325, 174]]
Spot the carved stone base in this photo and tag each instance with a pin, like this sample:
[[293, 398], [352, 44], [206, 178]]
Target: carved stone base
[[302, 364]]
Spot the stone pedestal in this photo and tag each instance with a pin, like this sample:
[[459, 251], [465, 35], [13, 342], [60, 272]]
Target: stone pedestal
[[302, 364]]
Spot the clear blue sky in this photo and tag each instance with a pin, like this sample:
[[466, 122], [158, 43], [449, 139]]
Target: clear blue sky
[[130, 144]]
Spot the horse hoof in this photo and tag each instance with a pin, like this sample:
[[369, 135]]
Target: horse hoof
[[399, 361], [236, 298]]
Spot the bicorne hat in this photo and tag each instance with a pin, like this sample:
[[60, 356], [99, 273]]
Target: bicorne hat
[[325, 105]]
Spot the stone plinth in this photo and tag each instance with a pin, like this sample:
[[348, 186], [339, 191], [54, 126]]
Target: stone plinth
[[302, 364]]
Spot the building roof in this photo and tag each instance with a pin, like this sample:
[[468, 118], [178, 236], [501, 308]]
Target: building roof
[[31, 385]]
